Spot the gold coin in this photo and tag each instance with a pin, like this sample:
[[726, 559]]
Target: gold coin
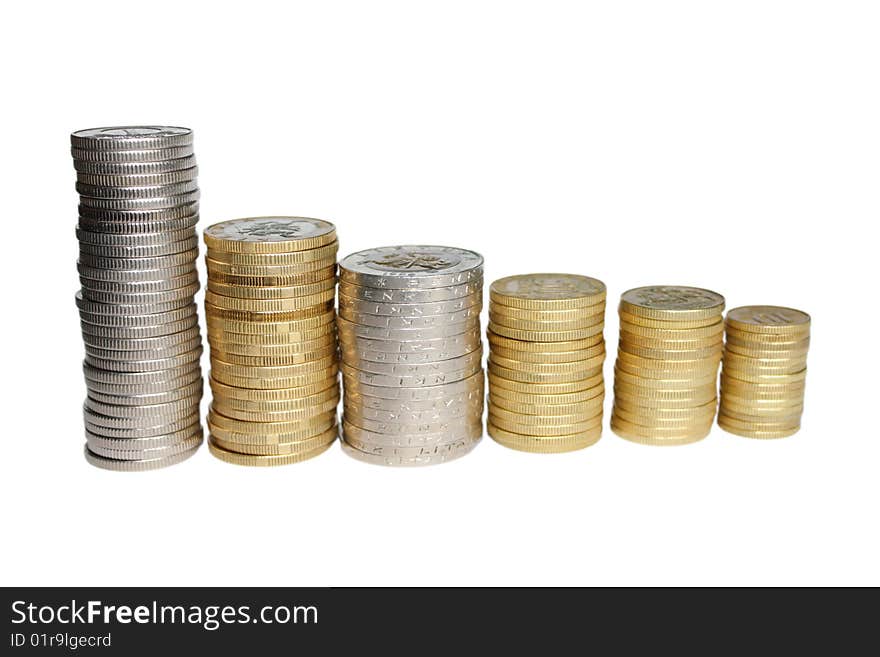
[[277, 394], [266, 271], [672, 345], [215, 313], [649, 364], [574, 387], [269, 234], [591, 405], [275, 259], [532, 377], [545, 430], [738, 349], [548, 291], [272, 361], [270, 305], [770, 405], [760, 434], [544, 444], [264, 460], [664, 384], [749, 362], [709, 369], [270, 436], [272, 372], [576, 366], [262, 383], [315, 325], [639, 435], [737, 369], [230, 397], [546, 398], [545, 326], [297, 447], [775, 320], [300, 415], [587, 316], [295, 280], [698, 396], [545, 336], [316, 424], [713, 331], [636, 320], [303, 349], [544, 347], [766, 379], [672, 302], [550, 357], [526, 419], [747, 425], [271, 292], [787, 418], [689, 413], [671, 354]]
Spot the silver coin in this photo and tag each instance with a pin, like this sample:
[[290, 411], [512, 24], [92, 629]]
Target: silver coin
[[397, 323], [142, 344], [145, 443], [368, 403], [139, 251], [424, 356], [139, 180], [140, 264], [422, 393], [108, 316], [407, 455], [470, 361], [471, 407], [171, 410], [152, 365], [137, 428], [269, 229], [441, 428], [416, 310], [408, 267], [139, 287], [136, 275], [138, 332], [137, 466], [122, 228], [149, 453], [134, 168], [131, 137], [147, 376], [149, 354], [139, 155], [86, 236], [117, 308], [154, 203], [419, 381], [144, 299], [132, 219], [407, 296], [349, 329], [453, 342], [176, 382], [136, 192], [195, 388]]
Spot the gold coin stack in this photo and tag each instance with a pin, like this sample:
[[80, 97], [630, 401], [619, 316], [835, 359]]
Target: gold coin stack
[[764, 371], [666, 376], [547, 350], [270, 309]]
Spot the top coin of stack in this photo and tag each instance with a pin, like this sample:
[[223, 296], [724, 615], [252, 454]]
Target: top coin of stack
[[409, 333], [764, 371], [547, 350], [270, 311], [666, 376], [137, 215]]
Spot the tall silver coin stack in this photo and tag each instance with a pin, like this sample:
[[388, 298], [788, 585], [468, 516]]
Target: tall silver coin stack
[[411, 346], [137, 266]]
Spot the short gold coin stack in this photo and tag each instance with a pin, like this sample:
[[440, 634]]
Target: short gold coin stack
[[666, 376], [764, 371], [270, 309], [546, 389]]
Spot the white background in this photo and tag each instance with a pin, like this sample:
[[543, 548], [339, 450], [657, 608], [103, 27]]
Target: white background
[[731, 145]]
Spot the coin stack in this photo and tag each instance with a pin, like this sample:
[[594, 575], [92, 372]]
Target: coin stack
[[409, 333], [546, 352], [137, 252], [666, 376], [270, 310], [764, 371]]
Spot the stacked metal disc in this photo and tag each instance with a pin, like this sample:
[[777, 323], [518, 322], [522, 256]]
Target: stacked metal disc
[[137, 252], [666, 376], [409, 333], [546, 389], [270, 307], [764, 371]]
